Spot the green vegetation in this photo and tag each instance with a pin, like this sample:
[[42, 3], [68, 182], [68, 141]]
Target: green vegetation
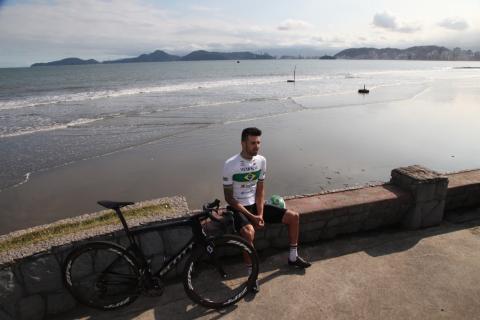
[[60, 230]]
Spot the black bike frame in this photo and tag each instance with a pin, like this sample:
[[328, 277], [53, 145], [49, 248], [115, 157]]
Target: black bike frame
[[199, 237]]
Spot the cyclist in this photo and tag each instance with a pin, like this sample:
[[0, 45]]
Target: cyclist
[[243, 185]]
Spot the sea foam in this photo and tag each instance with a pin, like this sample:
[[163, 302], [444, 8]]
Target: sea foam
[[31, 130]]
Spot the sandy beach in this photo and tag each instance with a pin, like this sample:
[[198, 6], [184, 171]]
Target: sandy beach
[[333, 142]]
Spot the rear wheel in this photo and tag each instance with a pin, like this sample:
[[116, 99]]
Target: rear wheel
[[218, 275], [102, 275]]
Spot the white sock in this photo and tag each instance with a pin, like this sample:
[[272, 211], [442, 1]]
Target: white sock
[[293, 253]]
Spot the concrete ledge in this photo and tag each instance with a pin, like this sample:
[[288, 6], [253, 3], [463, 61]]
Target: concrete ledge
[[428, 189], [463, 190], [177, 207], [317, 204], [327, 214], [463, 178]]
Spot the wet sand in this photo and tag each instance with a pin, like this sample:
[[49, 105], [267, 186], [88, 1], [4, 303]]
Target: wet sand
[[333, 142]]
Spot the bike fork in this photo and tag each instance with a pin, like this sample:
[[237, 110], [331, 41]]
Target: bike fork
[[216, 262]]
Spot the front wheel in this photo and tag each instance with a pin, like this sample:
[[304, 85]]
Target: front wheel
[[218, 275], [102, 275]]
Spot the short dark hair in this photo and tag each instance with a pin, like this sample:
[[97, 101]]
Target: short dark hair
[[252, 131]]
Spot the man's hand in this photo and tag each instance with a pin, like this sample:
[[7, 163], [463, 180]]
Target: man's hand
[[257, 222]]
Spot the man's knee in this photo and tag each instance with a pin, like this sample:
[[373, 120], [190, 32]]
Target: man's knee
[[248, 232], [291, 217]]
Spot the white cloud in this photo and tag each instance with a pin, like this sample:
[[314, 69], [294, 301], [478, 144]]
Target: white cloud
[[45, 30], [112, 29], [104, 29], [386, 20], [204, 9], [454, 24], [291, 24]]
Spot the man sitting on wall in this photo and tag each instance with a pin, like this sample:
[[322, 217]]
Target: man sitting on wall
[[243, 186]]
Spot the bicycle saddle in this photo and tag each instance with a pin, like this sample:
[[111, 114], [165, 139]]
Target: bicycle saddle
[[114, 204]]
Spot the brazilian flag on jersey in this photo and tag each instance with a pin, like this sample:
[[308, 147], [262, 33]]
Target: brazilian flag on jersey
[[247, 177]]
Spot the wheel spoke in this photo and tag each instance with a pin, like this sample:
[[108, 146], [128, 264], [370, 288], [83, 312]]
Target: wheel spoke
[[102, 276], [222, 277]]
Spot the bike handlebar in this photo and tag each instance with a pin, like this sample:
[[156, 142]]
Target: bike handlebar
[[213, 206]]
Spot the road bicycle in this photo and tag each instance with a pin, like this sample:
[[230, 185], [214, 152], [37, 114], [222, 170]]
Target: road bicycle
[[219, 271]]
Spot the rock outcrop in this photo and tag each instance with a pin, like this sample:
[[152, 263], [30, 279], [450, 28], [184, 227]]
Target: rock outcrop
[[66, 62]]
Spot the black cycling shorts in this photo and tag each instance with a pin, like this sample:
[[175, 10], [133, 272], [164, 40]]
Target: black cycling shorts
[[271, 214]]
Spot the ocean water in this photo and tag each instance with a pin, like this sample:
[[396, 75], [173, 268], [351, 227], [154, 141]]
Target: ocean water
[[53, 118]]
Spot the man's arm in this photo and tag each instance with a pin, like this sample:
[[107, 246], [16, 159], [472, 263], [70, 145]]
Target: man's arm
[[260, 192], [260, 197]]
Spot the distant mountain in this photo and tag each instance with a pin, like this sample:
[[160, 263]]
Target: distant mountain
[[156, 56], [66, 62], [160, 56], [206, 55], [413, 53], [300, 57]]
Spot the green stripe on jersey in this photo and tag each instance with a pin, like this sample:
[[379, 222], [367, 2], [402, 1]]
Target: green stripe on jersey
[[249, 176]]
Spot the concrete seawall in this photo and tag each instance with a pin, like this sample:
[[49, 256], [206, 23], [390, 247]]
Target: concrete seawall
[[31, 283]]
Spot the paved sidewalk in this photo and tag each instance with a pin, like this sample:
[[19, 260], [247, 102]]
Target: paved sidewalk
[[425, 274]]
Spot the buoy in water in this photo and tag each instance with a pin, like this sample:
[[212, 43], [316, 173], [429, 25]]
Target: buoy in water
[[290, 80], [363, 90]]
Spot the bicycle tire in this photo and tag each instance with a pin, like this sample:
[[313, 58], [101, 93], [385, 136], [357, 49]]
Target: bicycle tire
[[220, 278], [102, 275]]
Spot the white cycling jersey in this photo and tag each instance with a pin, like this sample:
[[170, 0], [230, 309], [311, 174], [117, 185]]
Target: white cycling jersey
[[243, 175]]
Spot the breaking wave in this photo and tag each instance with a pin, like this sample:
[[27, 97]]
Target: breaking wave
[[113, 93], [31, 130]]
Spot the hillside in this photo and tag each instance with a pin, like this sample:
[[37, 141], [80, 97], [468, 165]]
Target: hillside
[[206, 55], [162, 56], [65, 62], [156, 56]]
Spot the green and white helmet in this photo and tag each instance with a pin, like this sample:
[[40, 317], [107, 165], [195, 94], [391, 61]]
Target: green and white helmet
[[277, 201]]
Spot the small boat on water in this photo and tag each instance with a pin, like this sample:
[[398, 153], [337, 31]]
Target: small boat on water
[[364, 90], [290, 80]]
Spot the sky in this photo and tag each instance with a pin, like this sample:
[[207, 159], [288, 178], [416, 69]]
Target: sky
[[46, 30]]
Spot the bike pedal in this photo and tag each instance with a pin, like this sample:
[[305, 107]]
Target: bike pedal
[[155, 289], [154, 292]]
